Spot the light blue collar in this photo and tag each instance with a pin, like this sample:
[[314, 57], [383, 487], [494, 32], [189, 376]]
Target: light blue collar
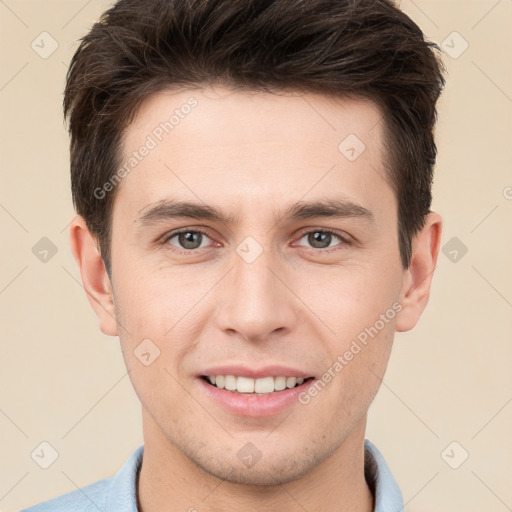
[[388, 497]]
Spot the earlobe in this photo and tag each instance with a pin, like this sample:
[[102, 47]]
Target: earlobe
[[418, 277], [94, 275]]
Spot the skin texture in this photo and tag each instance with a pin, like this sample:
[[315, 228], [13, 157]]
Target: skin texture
[[251, 155]]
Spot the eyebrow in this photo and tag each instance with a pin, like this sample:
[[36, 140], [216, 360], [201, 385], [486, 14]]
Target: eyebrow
[[167, 209]]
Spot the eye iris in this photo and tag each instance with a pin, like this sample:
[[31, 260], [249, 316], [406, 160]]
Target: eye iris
[[192, 239], [318, 238], [188, 239]]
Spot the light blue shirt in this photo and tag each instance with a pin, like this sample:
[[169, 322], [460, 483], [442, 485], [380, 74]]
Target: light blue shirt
[[118, 493]]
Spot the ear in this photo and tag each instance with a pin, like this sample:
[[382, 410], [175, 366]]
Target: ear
[[418, 277], [94, 274]]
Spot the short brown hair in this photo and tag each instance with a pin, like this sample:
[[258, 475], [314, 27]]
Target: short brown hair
[[361, 48]]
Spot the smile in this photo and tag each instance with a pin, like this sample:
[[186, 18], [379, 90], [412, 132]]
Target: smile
[[258, 387]]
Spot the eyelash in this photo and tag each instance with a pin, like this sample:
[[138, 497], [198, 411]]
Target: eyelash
[[343, 241]]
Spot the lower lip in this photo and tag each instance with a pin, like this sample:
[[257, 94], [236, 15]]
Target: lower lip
[[246, 404]]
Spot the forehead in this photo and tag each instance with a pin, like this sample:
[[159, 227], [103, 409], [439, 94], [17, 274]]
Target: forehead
[[214, 112], [217, 144]]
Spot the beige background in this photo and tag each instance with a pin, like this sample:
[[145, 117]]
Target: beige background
[[62, 381]]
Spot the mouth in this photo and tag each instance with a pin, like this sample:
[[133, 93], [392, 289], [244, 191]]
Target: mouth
[[262, 386]]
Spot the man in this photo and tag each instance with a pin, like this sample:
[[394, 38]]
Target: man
[[253, 187]]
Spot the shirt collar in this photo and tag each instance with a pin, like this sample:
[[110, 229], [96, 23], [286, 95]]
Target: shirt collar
[[123, 491], [387, 494]]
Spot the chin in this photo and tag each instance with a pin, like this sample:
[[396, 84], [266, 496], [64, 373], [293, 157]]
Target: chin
[[277, 471]]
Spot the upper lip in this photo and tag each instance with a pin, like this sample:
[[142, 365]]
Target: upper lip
[[255, 373]]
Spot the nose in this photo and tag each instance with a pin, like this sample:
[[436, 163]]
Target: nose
[[255, 301]]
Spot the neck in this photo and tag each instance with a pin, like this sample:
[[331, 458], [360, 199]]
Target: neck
[[169, 481]]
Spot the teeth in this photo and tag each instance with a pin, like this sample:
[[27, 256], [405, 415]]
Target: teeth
[[290, 382], [245, 385], [262, 385], [279, 383], [230, 382]]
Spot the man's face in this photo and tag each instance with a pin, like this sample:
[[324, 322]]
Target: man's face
[[261, 288]]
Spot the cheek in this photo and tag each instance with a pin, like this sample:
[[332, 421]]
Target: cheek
[[160, 325], [355, 381], [161, 393], [151, 302], [357, 309], [349, 298]]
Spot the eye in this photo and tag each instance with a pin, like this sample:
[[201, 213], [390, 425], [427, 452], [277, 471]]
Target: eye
[[188, 239], [193, 239], [321, 239]]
